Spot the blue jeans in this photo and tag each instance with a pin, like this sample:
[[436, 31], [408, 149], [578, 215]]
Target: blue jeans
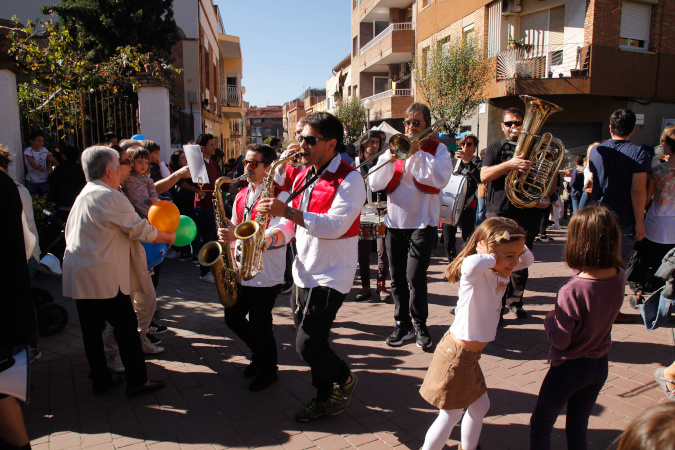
[[37, 188], [480, 210], [575, 383], [656, 310], [583, 201], [627, 242], [575, 204]]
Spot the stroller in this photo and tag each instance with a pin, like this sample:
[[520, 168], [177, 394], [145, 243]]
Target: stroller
[[52, 318]]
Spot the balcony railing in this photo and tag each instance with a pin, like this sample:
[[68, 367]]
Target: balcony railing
[[544, 61], [230, 95], [390, 29], [390, 93]]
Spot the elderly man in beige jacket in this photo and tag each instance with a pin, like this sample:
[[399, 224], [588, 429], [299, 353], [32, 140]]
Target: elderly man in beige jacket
[[103, 264]]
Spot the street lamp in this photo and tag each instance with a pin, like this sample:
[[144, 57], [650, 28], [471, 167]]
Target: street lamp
[[368, 105]]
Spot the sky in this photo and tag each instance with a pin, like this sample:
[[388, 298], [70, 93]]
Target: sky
[[287, 45]]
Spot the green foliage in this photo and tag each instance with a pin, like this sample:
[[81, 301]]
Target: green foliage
[[102, 26], [40, 203], [352, 114], [451, 78]]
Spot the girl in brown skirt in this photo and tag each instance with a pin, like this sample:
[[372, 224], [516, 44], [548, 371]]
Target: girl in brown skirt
[[454, 381]]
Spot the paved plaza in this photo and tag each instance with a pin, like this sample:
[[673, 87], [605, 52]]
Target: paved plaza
[[207, 404]]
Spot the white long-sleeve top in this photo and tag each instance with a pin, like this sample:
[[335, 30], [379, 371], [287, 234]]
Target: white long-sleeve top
[[480, 297], [324, 258], [274, 259], [407, 206]]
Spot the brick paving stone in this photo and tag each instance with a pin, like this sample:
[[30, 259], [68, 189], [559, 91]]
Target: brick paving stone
[[206, 403]]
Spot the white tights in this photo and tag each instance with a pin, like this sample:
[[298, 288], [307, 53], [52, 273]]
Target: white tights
[[439, 431]]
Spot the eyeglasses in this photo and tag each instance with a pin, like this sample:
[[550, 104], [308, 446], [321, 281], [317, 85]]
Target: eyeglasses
[[518, 123], [467, 144], [253, 163], [311, 140], [126, 162], [413, 123]]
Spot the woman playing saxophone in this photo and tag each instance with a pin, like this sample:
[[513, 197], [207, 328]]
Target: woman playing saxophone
[[257, 295]]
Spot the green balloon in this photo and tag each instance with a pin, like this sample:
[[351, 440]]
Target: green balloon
[[186, 231]]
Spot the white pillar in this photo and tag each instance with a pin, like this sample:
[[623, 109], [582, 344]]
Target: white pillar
[[197, 122], [10, 129], [154, 114]]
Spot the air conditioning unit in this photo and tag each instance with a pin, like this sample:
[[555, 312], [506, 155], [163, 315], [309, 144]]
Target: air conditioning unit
[[511, 7]]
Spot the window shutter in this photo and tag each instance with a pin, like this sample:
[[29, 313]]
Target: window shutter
[[494, 27], [556, 27], [635, 18]]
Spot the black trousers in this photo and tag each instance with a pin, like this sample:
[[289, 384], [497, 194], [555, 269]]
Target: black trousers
[[530, 220], [256, 331], [468, 222], [119, 312], [409, 252], [314, 312], [290, 257]]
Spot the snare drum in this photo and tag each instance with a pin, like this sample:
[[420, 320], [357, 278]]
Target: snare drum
[[453, 198], [372, 227]]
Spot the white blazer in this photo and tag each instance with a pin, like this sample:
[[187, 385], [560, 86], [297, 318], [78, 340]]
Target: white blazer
[[103, 253]]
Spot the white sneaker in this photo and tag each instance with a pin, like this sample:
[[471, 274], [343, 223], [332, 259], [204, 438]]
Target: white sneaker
[[172, 254], [115, 363], [149, 348], [556, 226], [208, 278]]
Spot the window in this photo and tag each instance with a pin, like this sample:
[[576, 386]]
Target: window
[[425, 3], [380, 84], [494, 27], [467, 31], [355, 46], [635, 19], [256, 120]]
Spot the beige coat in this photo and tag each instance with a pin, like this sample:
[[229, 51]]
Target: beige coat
[[103, 252]]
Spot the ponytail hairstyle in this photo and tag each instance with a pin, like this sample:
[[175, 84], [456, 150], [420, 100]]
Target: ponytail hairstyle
[[495, 231]]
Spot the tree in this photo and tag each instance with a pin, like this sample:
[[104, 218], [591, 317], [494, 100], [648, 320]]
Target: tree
[[451, 77], [102, 26], [352, 114]]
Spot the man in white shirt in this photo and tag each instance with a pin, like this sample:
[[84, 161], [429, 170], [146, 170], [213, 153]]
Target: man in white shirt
[[413, 208], [327, 198], [256, 296]]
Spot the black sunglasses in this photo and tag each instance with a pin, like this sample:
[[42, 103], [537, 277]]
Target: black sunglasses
[[126, 162], [518, 123], [311, 140], [251, 162], [414, 123], [467, 144]]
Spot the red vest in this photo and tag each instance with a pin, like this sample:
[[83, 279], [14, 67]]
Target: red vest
[[430, 147], [240, 203], [324, 192], [291, 175]]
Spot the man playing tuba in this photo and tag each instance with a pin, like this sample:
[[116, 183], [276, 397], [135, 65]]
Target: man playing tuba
[[256, 296]]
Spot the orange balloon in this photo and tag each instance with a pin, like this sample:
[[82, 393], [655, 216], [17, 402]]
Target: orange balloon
[[164, 216]]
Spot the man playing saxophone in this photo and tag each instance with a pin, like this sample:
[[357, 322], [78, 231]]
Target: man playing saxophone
[[327, 201], [257, 295]]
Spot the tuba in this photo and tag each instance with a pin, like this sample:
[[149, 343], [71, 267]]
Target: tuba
[[525, 189], [251, 233], [218, 257]]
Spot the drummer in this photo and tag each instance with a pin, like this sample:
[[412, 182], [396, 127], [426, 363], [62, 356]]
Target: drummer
[[369, 146], [468, 166]]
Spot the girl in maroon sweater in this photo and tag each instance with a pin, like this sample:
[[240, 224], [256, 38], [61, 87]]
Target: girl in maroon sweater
[[580, 327]]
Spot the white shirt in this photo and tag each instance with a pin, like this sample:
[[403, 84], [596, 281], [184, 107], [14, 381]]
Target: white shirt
[[480, 297], [40, 158], [324, 258], [274, 259], [407, 206]]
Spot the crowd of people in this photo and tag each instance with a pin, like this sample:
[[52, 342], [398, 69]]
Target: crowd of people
[[318, 205]]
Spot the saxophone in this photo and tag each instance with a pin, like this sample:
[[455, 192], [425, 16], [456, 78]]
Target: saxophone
[[525, 189], [251, 233], [216, 256]]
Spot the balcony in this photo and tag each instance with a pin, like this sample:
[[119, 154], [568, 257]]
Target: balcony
[[544, 61], [394, 45], [230, 101], [390, 104]]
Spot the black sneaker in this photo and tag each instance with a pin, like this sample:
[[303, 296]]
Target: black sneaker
[[263, 380], [519, 312], [400, 334], [422, 336], [251, 370], [157, 328], [313, 410], [153, 340], [340, 395]]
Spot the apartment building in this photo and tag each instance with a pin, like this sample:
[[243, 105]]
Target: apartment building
[[383, 42], [310, 101], [589, 57], [337, 84], [208, 93], [263, 123]]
